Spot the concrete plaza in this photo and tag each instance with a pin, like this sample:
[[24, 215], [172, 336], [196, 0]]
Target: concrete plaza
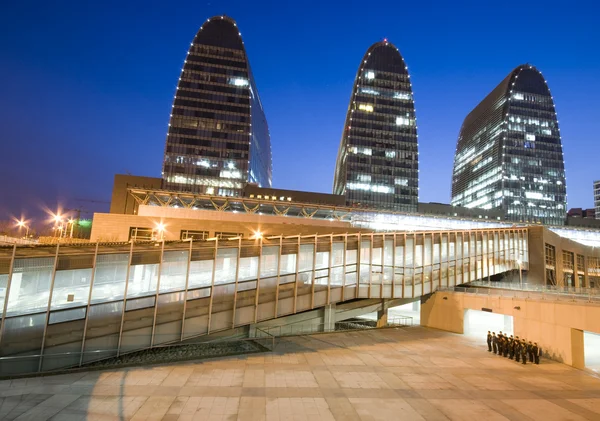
[[389, 374]]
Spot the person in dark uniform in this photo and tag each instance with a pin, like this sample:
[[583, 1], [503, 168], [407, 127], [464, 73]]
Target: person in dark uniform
[[524, 351], [530, 351], [537, 351], [506, 345], [500, 344], [489, 341], [517, 346], [494, 342], [511, 347]]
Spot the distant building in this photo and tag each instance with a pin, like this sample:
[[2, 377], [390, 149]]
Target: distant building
[[597, 198], [582, 213], [122, 202], [252, 191], [378, 164], [459, 211], [509, 154], [218, 137]]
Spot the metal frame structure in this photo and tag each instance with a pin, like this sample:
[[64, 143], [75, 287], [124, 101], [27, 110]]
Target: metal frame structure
[[131, 296]]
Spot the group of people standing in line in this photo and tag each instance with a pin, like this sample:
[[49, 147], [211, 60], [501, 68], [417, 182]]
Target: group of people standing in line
[[513, 348]]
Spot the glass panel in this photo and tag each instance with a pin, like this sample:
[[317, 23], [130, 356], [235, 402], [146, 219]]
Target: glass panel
[[173, 270], [198, 293], [3, 285], [288, 264], [388, 252], [142, 280], [337, 250], [322, 260], [71, 288], [139, 303], [200, 273], [268, 262], [410, 241], [337, 275], [428, 250], [249, 268], [351, 257], [226, 265], [306, 257], [399, 256], [109, 279], [30, 285], [67, 315], [365, 260]]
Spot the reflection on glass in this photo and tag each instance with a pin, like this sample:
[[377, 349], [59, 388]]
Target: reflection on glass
[[142, 280], [71, 288], [30, 285]]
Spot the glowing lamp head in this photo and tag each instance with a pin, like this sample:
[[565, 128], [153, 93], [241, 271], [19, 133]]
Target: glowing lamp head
[[21, 223], [258, 235], [160, 227]]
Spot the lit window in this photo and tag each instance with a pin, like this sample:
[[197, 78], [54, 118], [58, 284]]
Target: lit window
[[364, 177], [529, 136], [259, 196], [289, 199], [366, 107], [402, 95], [518, 96], [370, 75], [238, 81], [273, 198], [401, 182], [390, 154], [210, 190], [251, 196], [282, 198], [203, 163], [402, 121]]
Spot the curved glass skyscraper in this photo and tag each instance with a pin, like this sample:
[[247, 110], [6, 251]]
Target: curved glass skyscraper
[[509, 153], [377, 163], [218, 137]]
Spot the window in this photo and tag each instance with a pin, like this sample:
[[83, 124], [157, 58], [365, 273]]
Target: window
[[550, 255], [141, 234], [226, 235], [567, 260], [194, 235], [370, 75]]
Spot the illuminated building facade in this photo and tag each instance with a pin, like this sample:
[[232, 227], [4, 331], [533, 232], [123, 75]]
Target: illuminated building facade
[[218, 138], [597, 198], [377, 163], [509, 153]]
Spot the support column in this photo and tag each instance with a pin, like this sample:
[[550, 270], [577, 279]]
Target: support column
[[329, 318], [382, 315]]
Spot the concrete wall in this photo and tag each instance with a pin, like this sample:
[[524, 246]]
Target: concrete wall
[[121, 201], [115, 227], [556, 326]]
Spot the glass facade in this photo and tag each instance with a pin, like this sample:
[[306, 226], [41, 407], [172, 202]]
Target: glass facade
[[67, 305], [218, 137], [509, 153], [378, 164]]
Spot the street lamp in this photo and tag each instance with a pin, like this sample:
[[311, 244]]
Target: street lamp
[[160, 227], [22, 224], [520, 263]]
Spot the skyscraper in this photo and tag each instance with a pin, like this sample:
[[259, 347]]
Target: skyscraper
[[377, 163], [218, 137], [509, 153], [597, 198]]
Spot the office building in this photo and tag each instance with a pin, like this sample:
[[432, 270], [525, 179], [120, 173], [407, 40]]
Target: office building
[[218, 139], [597, 198], [377, 163], [509, 153]]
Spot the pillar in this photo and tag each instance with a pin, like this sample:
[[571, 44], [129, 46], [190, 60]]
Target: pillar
[[382, 316]]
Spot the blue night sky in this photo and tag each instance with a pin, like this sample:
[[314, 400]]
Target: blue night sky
[[86, 89]]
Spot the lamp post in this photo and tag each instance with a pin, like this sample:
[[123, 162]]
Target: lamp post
[[520, 263], [22, 224], [160, 227]]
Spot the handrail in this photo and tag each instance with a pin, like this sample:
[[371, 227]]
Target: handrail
[[524, 294]]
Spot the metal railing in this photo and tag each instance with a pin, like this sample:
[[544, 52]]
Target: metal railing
[[537, 288], [553, 295]]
